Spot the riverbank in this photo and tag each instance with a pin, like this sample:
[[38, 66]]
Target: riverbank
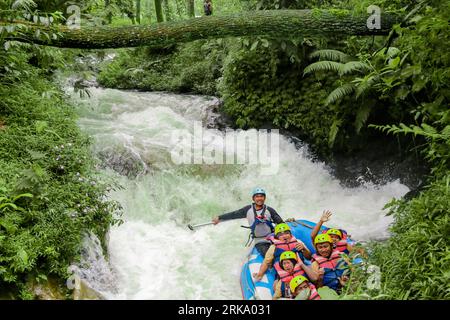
[[50, 193]]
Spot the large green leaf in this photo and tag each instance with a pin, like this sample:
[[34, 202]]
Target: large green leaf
[[330, 54], [324, 66], [339, 93]]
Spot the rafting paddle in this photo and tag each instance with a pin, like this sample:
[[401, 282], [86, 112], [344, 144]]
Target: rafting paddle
[[198, 225]]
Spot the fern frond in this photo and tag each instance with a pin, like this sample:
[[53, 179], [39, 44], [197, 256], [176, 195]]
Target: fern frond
[[330, 54], [365, 84], [446, 133], [324, 66], [352, 66], [339, 93], [334, 131], [361, 117], [425, 130]]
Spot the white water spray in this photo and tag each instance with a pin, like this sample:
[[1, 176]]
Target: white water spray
[[153, 254]]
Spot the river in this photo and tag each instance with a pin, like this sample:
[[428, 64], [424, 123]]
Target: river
[[153, 255]]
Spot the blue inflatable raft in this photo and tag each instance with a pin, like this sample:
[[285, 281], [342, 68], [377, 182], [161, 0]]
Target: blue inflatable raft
[[263, 290]]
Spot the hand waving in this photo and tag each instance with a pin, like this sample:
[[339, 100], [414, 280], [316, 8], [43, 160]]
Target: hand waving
[[326, 215]]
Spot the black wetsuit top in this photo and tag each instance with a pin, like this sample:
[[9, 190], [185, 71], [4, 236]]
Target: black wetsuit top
[[242, 213]]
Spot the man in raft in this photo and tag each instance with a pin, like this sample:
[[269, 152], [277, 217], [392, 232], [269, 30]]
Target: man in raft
[[329, 264], [260, 217], [302, 289]]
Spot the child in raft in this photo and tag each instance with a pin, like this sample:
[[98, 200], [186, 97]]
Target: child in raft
[[329, 264]]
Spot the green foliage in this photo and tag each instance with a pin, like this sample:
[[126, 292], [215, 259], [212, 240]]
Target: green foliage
[[328, 54], [265, 87], [49, 193], [193, 67], [398, 84], [49, 196], [437, 149], [415, 260]]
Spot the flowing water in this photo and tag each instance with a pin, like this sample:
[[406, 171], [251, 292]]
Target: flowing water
[[153, 255]]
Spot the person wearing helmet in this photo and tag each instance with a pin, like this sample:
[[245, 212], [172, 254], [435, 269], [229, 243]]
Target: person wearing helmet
[[260, 217], [339, 237], [289, 266], [302, 289], [282, 241], [328, 263]]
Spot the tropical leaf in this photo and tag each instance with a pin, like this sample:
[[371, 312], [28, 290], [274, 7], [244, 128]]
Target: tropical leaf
[[353, 66], [365, 84], [324, 66], [28, 5], [361, 117], [390, 53], [339, 93], [425, 130], [330, 54], [334, 131], [23, 195]]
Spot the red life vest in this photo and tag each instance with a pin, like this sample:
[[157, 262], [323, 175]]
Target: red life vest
[[332, 274], [329, 263], [341, 246], [314, 294], [281, 246], [285, 246], [286, 276]]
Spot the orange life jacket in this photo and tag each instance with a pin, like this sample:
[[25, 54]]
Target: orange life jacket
[[341, 246], [288, 276], [329, 263], [314, 294], [281, 246], [332, 274]]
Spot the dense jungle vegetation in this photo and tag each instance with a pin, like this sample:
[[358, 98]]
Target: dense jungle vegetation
[[335, 93]]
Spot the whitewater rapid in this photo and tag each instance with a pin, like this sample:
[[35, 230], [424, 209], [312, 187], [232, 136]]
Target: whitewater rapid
[[153, 255]]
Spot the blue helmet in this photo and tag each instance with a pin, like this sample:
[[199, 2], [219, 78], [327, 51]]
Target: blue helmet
[[258, 191]]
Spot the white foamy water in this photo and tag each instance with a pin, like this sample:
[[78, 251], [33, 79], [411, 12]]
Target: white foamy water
[[154, 255]]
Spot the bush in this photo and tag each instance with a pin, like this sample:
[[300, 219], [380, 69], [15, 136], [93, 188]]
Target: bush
[[49, 193], [192, 67], [415, 260]]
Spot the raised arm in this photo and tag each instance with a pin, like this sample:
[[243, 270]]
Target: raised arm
[[324, 218], [238, 214]]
